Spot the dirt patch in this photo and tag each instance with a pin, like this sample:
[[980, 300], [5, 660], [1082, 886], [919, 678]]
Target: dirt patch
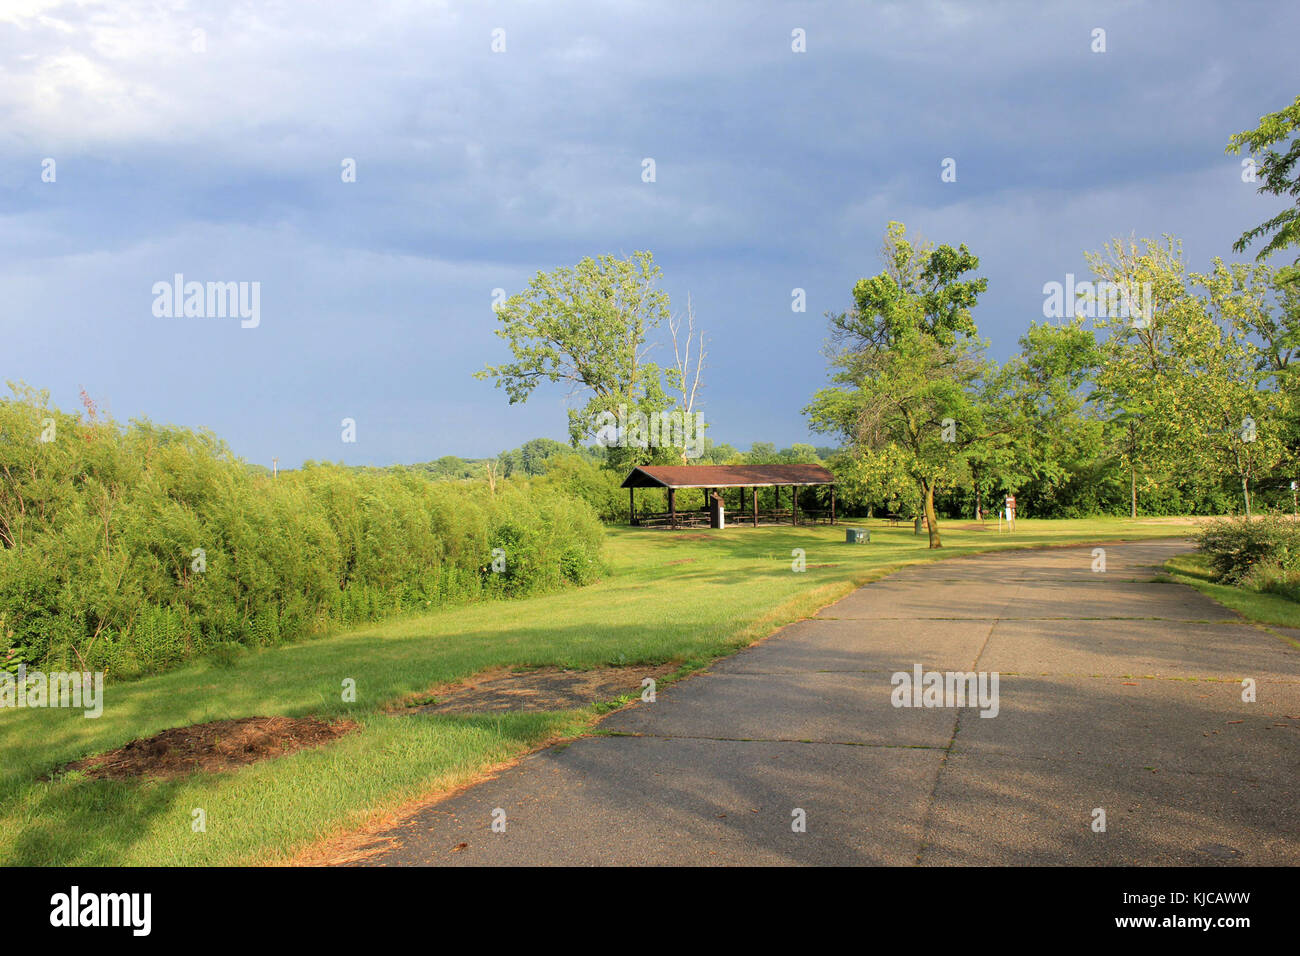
[[682, 561], [214, 746], [547, 688]]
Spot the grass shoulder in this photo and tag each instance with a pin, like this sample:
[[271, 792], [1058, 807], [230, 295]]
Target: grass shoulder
[[1258, 606]]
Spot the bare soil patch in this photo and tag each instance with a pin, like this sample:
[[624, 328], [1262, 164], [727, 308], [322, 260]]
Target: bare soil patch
[[531, 691], [214, 746]]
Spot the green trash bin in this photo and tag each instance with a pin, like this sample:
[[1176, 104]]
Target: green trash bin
[[856, 535], [916, 528]]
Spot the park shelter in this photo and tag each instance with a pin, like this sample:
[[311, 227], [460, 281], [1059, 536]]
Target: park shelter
[[719, 477]]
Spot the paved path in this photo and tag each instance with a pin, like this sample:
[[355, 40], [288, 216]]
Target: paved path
[[1116, 692]]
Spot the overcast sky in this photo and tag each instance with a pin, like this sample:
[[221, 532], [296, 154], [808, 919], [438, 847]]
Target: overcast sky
[[218, 155]]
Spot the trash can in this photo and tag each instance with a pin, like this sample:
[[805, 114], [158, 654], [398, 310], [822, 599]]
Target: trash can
[[916, 528], [717, 514], [856, 535]]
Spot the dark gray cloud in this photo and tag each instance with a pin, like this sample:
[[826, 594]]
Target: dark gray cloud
[[775, 170]]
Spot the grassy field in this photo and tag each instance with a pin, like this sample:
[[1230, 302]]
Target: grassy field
[[685, 598]]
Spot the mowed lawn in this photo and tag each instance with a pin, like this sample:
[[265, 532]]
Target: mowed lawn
[[669, 597]]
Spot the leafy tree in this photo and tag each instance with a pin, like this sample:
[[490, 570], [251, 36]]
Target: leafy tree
[[1141, 387], [800, 454], [863, 480], [511, 462], [762, 453], [451, 466], [1281, 177], [1188, 386], [723, 454], [1247, 423], [587, 326], [1267, 310], [1057, 436], [1264, 311], [533, 454], [909, 368]]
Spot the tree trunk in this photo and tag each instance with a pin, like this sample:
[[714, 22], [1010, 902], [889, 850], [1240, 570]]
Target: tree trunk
[[1245, 493], [1133, 471], [931, 519]]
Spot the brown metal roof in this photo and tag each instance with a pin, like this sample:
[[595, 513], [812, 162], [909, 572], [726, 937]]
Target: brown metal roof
[[726, 476]]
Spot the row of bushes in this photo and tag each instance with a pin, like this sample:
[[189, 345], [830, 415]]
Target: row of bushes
[[133, 549], [1262, 554]]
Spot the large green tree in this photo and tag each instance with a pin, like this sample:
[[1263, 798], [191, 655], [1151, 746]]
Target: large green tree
[[1249, 425], [1188, 386], [1057, 437], [1142, 386], [588, 326], [908, 368]]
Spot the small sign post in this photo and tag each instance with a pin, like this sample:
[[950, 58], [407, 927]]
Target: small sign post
[[1011, 512]]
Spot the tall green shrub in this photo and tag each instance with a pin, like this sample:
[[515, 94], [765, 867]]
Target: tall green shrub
[[133, 549], [1239, 548]]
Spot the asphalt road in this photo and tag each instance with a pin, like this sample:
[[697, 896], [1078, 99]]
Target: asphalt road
[[1114, 693]]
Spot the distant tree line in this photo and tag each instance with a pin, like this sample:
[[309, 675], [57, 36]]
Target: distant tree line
[[1181, 401]]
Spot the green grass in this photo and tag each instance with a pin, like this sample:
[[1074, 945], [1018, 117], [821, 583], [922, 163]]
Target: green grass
[[668, 597], [1259, 606]]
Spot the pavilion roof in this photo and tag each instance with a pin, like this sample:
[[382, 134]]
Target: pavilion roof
[[726, 476]]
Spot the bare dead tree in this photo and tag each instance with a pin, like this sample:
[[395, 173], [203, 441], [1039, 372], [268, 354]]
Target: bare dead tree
[[687, 376]]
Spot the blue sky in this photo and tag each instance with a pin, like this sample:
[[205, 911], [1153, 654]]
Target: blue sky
[[476, 169]]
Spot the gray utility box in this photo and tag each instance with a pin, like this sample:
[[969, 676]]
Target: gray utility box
[[856, 535]]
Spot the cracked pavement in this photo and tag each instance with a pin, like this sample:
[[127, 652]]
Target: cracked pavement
[[1116, 693]]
